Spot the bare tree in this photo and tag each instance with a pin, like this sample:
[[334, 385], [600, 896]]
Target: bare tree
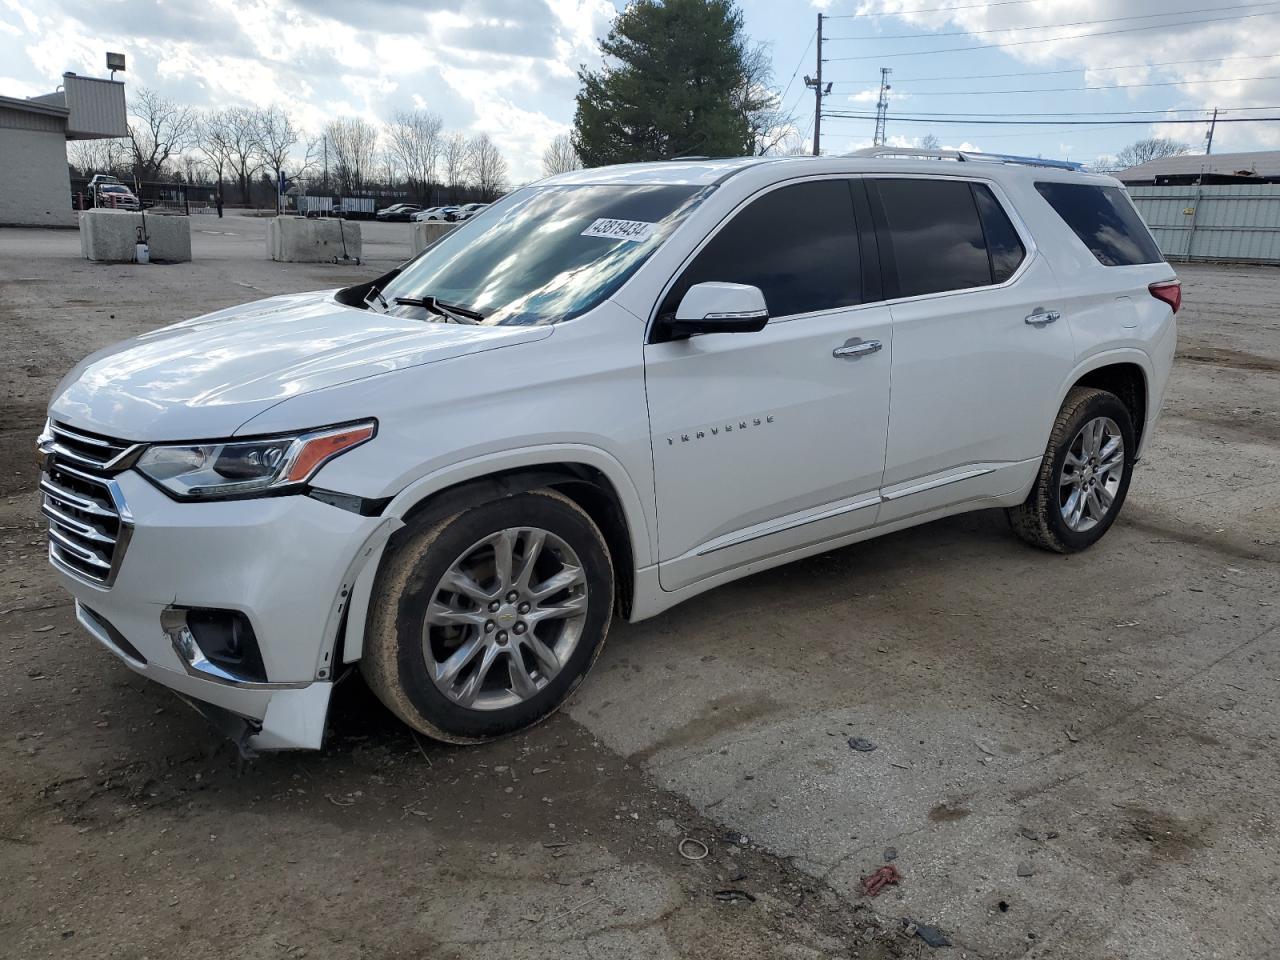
[[100, 156], [414, 139], [212, 147], [1154, 148], [560, 157], [238, 130], [276, 137], [489, 167], [354, 143], [158, 129], [760, 103], [1105, 163], [455, 155], [298, 168], [930, 142]]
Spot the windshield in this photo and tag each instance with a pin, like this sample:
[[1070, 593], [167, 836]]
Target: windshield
[[543, 254]]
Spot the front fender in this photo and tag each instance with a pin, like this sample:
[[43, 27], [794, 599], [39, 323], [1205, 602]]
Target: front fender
[[640, 527]]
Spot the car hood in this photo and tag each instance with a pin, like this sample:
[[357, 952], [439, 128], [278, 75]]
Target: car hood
[[205, 377]]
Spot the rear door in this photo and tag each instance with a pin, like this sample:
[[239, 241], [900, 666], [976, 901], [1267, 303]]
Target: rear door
[[769, 442], [979, 345]]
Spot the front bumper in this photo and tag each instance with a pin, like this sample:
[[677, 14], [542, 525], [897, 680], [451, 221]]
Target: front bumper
[[287, 563]]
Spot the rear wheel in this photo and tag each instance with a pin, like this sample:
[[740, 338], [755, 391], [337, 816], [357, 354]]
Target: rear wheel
[[485, 621], [1083, 477]]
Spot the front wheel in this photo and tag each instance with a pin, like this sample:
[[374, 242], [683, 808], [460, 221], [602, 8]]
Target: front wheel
[[485, 621], [1083, 477]]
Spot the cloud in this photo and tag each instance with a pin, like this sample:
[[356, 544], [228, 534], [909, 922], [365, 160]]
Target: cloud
[[505, 67], [1098, 48]]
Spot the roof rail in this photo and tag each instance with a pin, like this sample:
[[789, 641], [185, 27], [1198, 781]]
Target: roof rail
[[964, 155]]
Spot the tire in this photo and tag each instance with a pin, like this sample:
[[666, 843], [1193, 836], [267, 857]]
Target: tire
[[1046, 518], [556, 638]]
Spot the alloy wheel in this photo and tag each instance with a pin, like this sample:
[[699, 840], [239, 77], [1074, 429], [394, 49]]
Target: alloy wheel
[[505, 618], [1091, 474]]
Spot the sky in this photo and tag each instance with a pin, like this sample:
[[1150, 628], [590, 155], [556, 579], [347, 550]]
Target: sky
[[509, 67]]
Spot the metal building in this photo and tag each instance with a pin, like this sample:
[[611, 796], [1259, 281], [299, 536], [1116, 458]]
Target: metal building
[[35, 189], [1258, 166]]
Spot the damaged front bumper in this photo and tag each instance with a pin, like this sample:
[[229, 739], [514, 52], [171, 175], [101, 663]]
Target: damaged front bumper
[[238, 606]]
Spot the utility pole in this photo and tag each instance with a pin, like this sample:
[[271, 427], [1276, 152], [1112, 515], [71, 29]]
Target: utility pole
[[882, 107], [1208, 140], [819, 91]]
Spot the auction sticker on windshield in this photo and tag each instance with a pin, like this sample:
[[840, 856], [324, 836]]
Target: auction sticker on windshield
[[636, 230]]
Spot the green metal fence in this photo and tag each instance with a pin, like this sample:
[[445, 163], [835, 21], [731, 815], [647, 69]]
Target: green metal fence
[[1236, 222]]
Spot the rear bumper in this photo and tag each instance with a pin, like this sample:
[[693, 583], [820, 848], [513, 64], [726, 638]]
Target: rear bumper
[[288, 564], [1162, 356]]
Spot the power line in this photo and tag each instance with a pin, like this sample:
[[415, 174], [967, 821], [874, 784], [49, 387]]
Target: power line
[[1074, 36], [1078, 113], [903, 13], [1113, 86], [1047, 73], [1051, 26], [1043, 123], [799, 64]]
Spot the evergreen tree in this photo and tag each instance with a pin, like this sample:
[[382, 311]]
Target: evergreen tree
[[672, 85]]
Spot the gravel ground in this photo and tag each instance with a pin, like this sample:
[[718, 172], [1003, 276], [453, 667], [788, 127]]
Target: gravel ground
[[1076, 756]]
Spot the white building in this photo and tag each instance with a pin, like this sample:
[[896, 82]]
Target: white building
[[35, 183]]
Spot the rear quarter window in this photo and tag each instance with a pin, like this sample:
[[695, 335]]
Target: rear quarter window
[[945, 235], [1104, 220]]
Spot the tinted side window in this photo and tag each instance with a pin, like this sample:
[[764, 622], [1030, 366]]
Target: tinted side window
[[798, 244], [935, 234], [1003, 246], [1105, 220]]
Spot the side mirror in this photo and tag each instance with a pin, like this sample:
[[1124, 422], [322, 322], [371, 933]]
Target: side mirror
[[720, 308]]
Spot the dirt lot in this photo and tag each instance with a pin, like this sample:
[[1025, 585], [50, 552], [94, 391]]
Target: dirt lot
[[1077, 756]]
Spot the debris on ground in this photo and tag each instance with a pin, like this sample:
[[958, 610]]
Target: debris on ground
[[692, 849], [930, 934], [733, 895], [861, 744], [1024, 869], [890, 853], [883, 877]]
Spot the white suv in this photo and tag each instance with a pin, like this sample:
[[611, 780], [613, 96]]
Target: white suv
[[616, 389]]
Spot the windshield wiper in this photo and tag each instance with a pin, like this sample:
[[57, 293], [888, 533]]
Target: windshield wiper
[[448, 310]]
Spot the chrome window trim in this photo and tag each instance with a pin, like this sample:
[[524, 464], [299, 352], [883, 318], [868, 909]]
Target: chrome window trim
[[724, 221], [1019, 227]]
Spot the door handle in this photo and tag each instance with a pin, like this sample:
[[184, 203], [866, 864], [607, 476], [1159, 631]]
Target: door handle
[[856, 348], [1041, 317]]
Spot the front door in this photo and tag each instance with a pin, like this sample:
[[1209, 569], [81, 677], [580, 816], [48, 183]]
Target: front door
[[766, 443]]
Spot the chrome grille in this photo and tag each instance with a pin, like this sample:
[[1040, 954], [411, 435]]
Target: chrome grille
[[91, 451], [89, 522]]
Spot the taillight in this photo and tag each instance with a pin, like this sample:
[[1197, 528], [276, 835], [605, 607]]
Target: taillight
[[1170, 291]]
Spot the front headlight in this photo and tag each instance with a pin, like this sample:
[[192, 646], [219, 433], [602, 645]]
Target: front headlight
[[203, 471]]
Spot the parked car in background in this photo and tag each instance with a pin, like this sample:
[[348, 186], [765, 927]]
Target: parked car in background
[[423, 214], [466, 212], [624, 387], [116, 195], [398, 212], [436, 213], [100, 178]]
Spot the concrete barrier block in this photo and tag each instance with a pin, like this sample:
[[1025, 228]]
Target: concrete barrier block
[[323, 240], [111, 236], [427, 232]]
